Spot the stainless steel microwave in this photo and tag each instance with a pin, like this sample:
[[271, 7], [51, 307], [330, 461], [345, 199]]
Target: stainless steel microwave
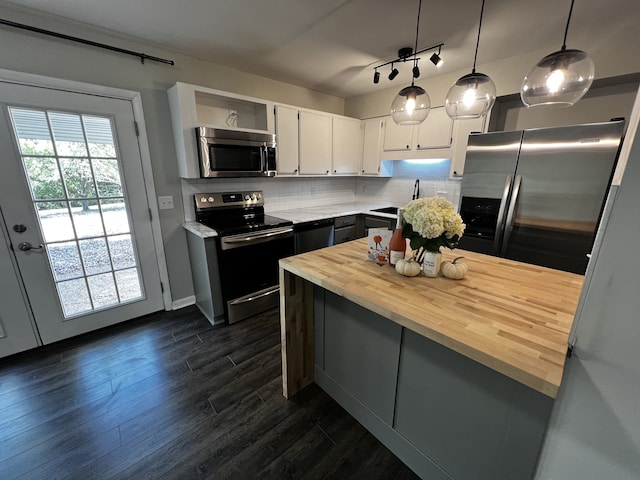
[[232, 153]]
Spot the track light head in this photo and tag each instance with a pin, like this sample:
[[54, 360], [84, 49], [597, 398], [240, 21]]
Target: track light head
[[416, 71], [376, 77], [436, 60], [394, 73]]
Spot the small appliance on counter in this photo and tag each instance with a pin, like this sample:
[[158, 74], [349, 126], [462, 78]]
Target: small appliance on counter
[[239, 276], [537, 195]]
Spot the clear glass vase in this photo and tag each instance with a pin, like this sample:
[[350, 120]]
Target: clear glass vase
[[431, 264]]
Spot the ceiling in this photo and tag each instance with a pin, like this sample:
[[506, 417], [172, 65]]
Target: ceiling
[[332, 45]]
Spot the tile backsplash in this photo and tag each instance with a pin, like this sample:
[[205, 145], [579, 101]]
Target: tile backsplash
[[285, 193]]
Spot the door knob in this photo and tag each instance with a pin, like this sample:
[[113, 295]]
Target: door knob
[[19, 228], [26, 246]]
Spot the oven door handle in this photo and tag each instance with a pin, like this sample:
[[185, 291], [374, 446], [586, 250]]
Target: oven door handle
[[241, 240], [240, 301]]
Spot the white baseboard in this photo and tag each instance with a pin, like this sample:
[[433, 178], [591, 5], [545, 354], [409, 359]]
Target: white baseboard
[[184, 302]]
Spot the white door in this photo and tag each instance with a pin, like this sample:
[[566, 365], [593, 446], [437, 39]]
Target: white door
[[75, 209], [17, 332]]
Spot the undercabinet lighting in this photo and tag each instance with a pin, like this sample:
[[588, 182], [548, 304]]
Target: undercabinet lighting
[[426, 161]]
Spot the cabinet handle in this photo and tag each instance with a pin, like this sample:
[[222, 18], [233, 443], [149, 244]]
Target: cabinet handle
[[295, 171], [362, 171], [407, 147], [327, 171], [418, 145]]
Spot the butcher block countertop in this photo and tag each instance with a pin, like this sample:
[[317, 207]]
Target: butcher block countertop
[[510, 316]]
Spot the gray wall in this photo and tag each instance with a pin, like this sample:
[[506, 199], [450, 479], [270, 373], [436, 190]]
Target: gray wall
[[34, 53], [595, 427]]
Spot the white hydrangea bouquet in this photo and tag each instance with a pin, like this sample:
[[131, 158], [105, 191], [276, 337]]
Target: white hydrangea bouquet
[[431, 223]]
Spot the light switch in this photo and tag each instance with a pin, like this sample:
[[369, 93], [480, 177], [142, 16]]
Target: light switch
[[165, 203]]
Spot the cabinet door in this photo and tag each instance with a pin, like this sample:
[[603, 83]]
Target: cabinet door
[[315, 143], [461, 131], [347, 145], [435, 131], [396, 137], [287, 139], [371, 134], [361, 354]]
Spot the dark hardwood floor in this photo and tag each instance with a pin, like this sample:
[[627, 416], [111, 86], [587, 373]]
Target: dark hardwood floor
[[169, 396]]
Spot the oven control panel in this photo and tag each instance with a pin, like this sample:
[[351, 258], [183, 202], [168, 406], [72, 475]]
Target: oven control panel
[[205, 201]]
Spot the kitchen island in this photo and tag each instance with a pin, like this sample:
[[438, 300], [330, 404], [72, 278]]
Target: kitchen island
[[457, 378]]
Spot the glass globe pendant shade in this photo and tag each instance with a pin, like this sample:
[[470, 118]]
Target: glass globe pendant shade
[[472, 96], [558, 80], [411, 106]]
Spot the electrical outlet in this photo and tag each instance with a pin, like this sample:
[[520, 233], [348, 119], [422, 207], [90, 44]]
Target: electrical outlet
[[165, 203]]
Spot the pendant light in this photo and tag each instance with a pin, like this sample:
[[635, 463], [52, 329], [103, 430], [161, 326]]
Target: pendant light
[[412, 104], [473, 94], [560, 79]]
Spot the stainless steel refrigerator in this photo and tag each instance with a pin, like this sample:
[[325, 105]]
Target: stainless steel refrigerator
[[537, 195]]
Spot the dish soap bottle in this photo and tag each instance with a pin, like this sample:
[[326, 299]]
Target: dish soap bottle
[[397, 244]]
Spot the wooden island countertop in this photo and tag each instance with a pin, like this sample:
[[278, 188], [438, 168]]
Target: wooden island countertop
[[512, 317]]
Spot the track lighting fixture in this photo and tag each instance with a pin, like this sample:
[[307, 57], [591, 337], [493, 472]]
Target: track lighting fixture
[[473, 94], [560, 79], [412, 104], [436, 60]]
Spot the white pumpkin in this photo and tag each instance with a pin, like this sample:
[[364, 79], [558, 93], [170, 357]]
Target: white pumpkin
[[454, 270], [408, 268]]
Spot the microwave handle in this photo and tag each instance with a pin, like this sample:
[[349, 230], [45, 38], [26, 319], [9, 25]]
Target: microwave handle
[[264, 154]]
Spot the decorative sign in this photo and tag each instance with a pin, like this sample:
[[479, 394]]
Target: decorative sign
[[378, 248]]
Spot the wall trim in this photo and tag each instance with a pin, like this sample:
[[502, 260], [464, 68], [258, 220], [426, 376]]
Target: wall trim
[[184, 302]]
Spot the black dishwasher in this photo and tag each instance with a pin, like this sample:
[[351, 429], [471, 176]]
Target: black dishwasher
[[313, 235]]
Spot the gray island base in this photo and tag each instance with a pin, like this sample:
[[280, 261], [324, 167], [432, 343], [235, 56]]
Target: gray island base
[[443, 414]]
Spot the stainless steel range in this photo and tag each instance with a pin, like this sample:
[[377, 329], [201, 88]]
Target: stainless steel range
[[248, 247]]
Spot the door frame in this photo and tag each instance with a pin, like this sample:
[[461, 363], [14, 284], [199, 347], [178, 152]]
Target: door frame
[[29, 79]]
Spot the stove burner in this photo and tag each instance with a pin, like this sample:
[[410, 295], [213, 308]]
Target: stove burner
[[234, 213]]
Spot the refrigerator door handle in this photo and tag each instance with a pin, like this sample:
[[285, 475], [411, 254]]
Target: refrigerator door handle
[[501, 211], [512, 208]]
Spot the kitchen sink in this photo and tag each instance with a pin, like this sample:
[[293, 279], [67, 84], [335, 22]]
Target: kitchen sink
[[393, 210]]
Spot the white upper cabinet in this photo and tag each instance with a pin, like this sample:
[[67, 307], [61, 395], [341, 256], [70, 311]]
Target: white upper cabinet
[[287, 139], [396, 137], [315, 130], [371, 137], [347, 145], [437, 137], [192, 106], [461, 131], [435, 131]]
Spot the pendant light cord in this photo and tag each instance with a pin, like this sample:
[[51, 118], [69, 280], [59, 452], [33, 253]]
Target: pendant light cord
[[475, 57], [566, 30], [415, 48]]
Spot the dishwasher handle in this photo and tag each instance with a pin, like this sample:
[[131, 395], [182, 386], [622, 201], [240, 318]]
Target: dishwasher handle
[[306, 226]]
